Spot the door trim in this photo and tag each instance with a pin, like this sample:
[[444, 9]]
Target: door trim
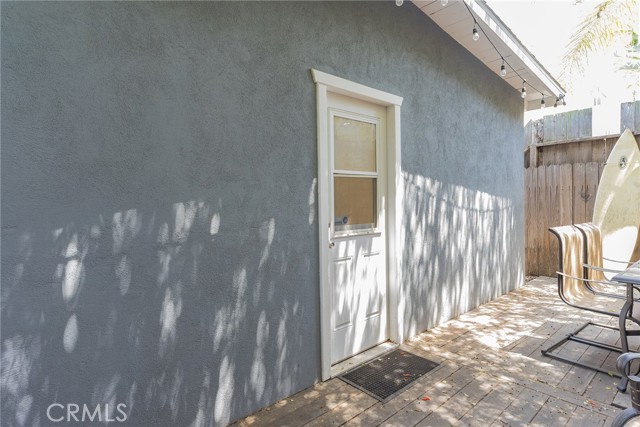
[[328, 83]]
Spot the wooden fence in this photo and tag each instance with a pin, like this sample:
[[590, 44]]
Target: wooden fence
[[630, 116], [555, 195], [560, 189], [575, 125]]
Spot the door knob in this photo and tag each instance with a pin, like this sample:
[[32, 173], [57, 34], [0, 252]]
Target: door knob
[[331, 245]]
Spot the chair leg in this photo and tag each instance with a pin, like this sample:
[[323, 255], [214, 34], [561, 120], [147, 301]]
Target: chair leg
[[624, 342], [573, 336]]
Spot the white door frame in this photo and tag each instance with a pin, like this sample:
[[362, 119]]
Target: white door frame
[[329, 83]]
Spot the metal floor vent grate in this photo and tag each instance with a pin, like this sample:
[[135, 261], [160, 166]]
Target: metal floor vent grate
[[389, 374]]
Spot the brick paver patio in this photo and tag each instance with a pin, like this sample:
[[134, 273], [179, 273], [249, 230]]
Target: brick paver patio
[[491, 373]]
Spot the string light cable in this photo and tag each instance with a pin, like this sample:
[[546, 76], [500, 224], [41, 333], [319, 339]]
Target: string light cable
[[503, 70]]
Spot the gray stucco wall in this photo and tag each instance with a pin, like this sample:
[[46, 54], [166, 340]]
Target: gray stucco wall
[[158, 165]]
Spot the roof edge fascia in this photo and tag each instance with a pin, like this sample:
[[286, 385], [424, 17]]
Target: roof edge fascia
[[483, 12]]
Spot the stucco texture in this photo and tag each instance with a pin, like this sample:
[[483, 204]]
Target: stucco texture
[[159, 214]]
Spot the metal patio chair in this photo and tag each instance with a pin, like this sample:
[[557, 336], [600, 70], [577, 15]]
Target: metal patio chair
[[591, 295], [593, 263]]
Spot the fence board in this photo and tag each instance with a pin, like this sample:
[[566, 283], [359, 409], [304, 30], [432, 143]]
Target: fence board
[[529, 203], [573, 125], [565, 190], [553, 215], [528, 134], [572, 154], [549, 123], [592, 178], [627, 113], [542, 219], [580, 191], [561, 127], [598, 152], [540, 214], [630, 116], [586, 119]]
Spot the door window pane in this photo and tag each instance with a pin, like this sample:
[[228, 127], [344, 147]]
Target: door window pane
[[355, 206], [355, 145]]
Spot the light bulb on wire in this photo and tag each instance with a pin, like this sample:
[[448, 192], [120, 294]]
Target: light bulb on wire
[[523, 93], [476, 35], [399, 2], [444, 2], [542, 103], [503, 70]]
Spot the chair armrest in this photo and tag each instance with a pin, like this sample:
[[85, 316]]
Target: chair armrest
[[626, 263], [602, 282], [608, 270], [623, 362]]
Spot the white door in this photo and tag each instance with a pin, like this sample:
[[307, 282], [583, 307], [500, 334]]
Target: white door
[[357, 249]]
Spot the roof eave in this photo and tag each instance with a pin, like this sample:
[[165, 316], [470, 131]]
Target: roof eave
[[524, 65]]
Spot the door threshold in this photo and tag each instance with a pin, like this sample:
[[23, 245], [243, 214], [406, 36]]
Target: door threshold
[[361, 358]]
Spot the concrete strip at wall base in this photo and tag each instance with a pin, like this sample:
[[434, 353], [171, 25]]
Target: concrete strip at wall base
[[159, 236]]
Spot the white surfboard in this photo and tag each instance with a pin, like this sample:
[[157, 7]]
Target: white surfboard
[[617, 205]]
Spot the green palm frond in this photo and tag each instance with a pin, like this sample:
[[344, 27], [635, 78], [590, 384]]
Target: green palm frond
[[610, 22]]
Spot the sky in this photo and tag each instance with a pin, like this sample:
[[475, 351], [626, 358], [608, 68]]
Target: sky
[[545, 27]]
